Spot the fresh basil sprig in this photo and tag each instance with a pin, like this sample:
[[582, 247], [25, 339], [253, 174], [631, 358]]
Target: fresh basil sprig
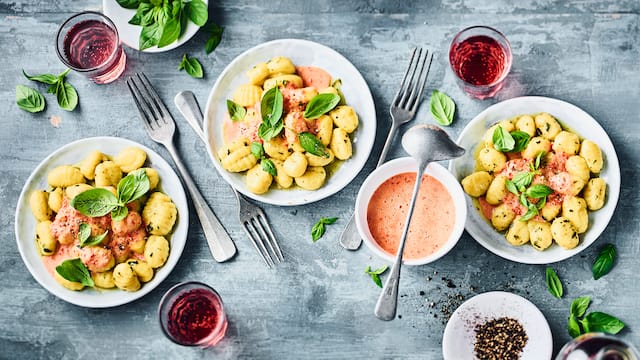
[[505, 141], [85, 238], [257, 150], [538, 191], [192, 66], [99, 202], [236, 112], [215, 36], [29, 99], [74, 270], [521, 139], [554, 285], [312, 145], [271, 107], [604, 261], [592, 322], [267, 165], [320, 105], [65, 93], [442, 108], [318, 228], [375, 274]]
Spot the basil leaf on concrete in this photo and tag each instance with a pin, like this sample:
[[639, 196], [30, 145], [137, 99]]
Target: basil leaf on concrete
[[442, 108], [29, 99], [604, 261]]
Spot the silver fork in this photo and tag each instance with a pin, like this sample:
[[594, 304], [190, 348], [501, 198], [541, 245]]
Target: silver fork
[[403, 109], [252, 218], [161, 127]]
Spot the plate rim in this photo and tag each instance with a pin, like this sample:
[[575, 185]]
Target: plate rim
[[531, 310], [613, 168], [307, 196], [77, 297]]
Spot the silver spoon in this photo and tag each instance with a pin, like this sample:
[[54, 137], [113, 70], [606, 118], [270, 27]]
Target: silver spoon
[[425, 143]]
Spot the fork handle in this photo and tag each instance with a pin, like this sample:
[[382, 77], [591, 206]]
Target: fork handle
[[221, 246]]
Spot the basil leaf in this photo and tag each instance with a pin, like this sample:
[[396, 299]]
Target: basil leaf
[[192, 66], [511, 186], [502, 140], [84, 232], [269, 167], [522, 180], [318, 228], [257, 150], [320, 105], [584, 324], [312, 145], [129, 4], [95, 202], [554, 285], [271, 106], [378, 271], [521, 139], [532, 211], [601, 322], [442, 108], [573, 327], [214, 38], [142, 16], [267, 132], [74, 270], [539, 191], [43, 78], [170, 32], [604, 261], [119, 213], [197, 11], [150, 34], [67, 96], [133, 186], [538, 160], [29, 99], [540, 204], [236, 112], [579, 306]]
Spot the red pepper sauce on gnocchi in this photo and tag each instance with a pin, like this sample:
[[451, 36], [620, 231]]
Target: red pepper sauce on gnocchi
[[537, 181], [285, 126], [107, 218]]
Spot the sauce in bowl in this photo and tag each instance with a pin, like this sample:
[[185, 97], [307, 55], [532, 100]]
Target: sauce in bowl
[[432, 222]]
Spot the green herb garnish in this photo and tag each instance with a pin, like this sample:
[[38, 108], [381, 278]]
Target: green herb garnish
[[320, 105], [554, 285], [85, 238], [592, 322], [604, 261], [269, 167], [65, 93], [257, 150], [521, 139], [502, 140], [375, 274], [192, 66], [74, 270], [271, 108], [442, 108], [236, 112], [312, 145], [318, 228], [29, 99], [215, 36]]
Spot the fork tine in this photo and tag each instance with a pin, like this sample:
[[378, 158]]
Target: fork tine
[[268, 236], [250, 228], [150, 97], [154, 95], [404, 78], [410, 85], [420, 83], [143, 108]]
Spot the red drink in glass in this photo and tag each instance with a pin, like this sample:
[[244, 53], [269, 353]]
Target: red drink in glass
[[192, 314], [481, 59], [88, 43]]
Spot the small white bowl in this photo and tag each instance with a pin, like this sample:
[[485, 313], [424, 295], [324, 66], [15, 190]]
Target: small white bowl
[[399, 166]]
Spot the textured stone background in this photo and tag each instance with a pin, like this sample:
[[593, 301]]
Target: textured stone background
[[319, 304]]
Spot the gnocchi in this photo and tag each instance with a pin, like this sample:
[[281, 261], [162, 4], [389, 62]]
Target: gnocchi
[[537, 186], [290, 150], [120, 253]]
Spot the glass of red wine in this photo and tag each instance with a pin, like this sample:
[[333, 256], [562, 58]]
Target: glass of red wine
[[88, 43], [192, 314], [481, 59]]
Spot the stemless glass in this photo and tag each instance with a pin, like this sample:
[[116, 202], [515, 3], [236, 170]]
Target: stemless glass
[[192, 314], [480, 57], [88, 43]]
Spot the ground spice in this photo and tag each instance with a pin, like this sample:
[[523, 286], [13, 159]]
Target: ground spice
[[500, 339]]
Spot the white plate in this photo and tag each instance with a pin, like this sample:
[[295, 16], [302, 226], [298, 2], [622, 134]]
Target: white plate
[[130, 34], [459, 335], [25, 222], [571, 117], [303, 53]]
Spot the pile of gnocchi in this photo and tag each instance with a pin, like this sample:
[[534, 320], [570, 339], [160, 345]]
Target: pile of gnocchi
[[537, 181], [281, 159], [116, 253]]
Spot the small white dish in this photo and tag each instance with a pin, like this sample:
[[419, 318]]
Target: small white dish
[[459, 334], [571, 117], [25, 222], [303, 53], [130, 34], [399, 166]]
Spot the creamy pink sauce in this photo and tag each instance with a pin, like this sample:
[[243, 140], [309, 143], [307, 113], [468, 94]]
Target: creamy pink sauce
[[432, 222], [314, 77]]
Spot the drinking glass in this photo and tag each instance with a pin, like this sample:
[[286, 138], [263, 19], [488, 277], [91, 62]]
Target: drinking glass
[[88, 43], [192, 314], [597, 346], [480, 57]]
